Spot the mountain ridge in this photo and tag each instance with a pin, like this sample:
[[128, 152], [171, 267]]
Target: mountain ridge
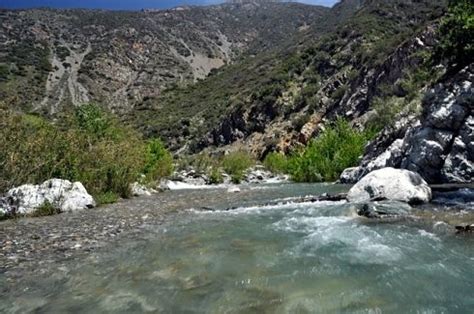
[[135, 54]]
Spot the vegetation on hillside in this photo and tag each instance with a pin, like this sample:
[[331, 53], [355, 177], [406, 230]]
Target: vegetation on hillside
[[289, 83], [91, 147], [457, 34]]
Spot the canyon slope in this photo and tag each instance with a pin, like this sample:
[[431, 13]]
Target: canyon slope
[[54, 59], [262, 76]]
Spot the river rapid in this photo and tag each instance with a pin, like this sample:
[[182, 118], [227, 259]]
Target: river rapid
[[288, 258]]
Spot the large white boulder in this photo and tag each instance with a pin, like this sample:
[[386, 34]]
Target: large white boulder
[[391, 184], [62, 194]]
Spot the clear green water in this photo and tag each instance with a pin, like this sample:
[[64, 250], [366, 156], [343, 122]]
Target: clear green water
[[297, 258]]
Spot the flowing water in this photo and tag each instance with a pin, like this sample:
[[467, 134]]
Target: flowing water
[[292, 258]]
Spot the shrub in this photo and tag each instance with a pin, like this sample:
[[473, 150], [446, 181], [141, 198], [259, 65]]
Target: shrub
[[457, 33], [339, 92], [338, 147], [159, 162], [106, 198], [202, 163], [236, 163], [386, 110], [215, 176], [91, 147], [92, 119], [276, 163]]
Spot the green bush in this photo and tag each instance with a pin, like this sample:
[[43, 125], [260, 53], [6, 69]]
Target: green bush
[[92, 119], [457, 34], [201, 163], [236, 163], [91, 147], [106, 198], [385, 112], [337, 148], [215, 176], [159, 162], [276, 162]]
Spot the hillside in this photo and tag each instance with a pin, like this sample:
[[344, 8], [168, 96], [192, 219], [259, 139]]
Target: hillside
[[279, 99], [52, 59]]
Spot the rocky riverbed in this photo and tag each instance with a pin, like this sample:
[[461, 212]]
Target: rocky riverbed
[[279, 248], [27, 244], [30, 243]]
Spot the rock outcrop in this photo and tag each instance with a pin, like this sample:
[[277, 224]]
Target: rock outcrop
[[61, 194], [439, 146], [391, 184]]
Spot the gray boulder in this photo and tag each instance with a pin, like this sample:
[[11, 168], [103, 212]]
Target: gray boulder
[[459, 164], [62, 194], [391, 184], [383, 209]]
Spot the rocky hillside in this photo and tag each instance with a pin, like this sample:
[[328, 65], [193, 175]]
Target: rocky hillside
[[438, 144], [266, 76], [278, 100], [52, 59]]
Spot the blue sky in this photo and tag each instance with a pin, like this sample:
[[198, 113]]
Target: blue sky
[[121, 4]]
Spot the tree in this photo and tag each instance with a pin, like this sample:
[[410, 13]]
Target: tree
[[457, 34]]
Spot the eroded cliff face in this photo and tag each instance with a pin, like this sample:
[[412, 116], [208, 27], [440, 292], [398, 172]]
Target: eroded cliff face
[[439, 145]]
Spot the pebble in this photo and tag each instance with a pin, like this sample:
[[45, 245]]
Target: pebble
[[46, 243]]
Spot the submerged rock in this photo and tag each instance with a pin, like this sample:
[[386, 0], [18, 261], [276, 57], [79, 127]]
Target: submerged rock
[[465, 229], [233, 189], [391, 184], [190, 176], [61, 194], [385, 209], [463, 197]]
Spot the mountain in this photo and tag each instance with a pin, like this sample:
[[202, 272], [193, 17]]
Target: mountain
[[52, 59], [280, 99], [263, 75]]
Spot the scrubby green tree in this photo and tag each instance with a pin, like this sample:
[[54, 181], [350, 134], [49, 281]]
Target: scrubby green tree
[[159, 162], [457, 33], [91, 147], [276, 162], [236, 163], [338, 147]]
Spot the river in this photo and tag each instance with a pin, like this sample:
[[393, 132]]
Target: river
[[288, 258]]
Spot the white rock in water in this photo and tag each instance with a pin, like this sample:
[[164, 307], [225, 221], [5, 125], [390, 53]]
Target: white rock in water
[[62, 194], [392, 184], [140, 190], [233, 189]]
